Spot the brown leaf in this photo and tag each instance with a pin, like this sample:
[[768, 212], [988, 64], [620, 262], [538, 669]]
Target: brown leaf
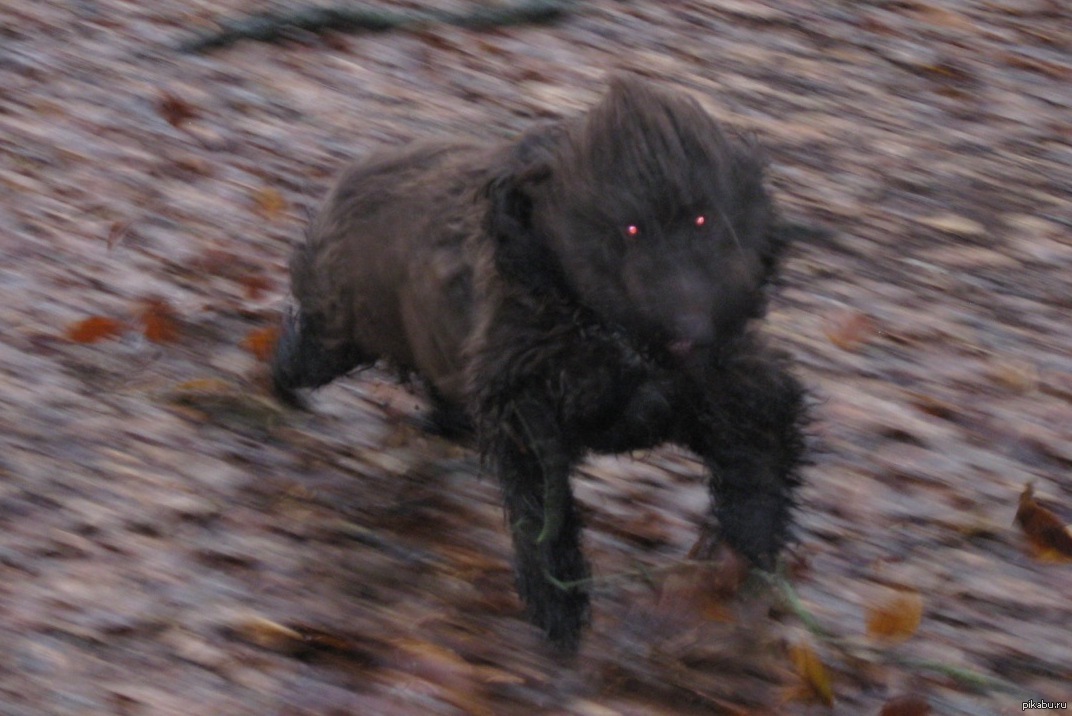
[[1018, 376], [934, 406], [434, 39], [954, 224], [269, 203], [117, 232], [1052, 70], [910, 705], [815, 676], [1048, 536], [217, 262], [159, 321], [192, 164], [703, 590], [325, 641], [336, 41], [216, 399], [850, 330], [255, 286], [445, 671], [175, 110], [268, 634], [940, 17], [261, 342], [94, 329], [203, 386], [896, 618]]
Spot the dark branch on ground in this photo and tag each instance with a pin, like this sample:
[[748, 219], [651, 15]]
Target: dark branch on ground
[[274, 26]]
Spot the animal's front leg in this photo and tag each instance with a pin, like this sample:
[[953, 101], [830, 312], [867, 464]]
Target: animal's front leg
[[527, 449], [749, 432]]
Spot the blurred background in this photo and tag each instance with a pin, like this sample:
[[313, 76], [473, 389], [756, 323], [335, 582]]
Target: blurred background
[[173, 540]]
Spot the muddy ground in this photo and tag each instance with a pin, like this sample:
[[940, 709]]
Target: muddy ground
[[172, 541]]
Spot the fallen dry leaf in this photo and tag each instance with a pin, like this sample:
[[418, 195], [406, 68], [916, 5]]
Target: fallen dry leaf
[[954, 224], [323, 641], [268, 634], [94, 329], [934, 406], [896, 618], [269, 203], [940, 17], [175, 110], [255, 286], [1049, 537], [205, 398], [817, 685], [703, 590], [1018, 376], [446, 671], [159, 321], [218, 262], [1021, 61], [850, 330], [261, 342], [910, 705], [117, 232], [203, 386], [193, 164]]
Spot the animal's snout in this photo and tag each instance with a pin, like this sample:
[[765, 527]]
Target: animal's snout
[[692, 330]]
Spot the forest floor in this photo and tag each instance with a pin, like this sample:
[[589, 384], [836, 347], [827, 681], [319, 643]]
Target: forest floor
[[173, 541]]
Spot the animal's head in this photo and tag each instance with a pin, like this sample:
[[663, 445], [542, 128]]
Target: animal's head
[[647, 213]]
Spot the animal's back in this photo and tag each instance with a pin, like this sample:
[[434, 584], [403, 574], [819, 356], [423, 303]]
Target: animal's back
[[385, 271]]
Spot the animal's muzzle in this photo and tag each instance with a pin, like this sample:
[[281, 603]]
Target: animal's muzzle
[[693, 331]]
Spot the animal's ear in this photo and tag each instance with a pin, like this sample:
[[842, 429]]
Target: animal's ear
[[510, 202], [521, 252]]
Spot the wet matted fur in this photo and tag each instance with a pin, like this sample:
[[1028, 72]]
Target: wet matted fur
[[591, 285]]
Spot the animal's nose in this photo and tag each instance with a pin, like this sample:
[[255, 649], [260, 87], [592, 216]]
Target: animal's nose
[[691, 330]]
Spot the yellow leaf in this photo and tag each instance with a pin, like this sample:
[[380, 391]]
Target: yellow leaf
[[810, 668], [203, 386], [269, 202], [1050, 538], [954, 224], [896, 618], [261, 342], [850, 330], [267, 634]]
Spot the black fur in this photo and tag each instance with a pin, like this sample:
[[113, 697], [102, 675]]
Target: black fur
[[590, 285]]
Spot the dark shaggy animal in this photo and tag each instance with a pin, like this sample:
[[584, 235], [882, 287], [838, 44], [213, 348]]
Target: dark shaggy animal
[[590, 285]]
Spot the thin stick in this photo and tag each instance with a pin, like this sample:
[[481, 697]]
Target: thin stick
[[271, 26]]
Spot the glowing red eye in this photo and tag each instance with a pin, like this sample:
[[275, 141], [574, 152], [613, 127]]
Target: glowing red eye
[[701, 220], [632, 230]]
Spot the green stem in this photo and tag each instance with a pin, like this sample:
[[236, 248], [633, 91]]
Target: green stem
[[968, 677]]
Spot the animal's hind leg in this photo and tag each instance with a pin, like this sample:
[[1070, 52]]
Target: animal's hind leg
[[749, 433]]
